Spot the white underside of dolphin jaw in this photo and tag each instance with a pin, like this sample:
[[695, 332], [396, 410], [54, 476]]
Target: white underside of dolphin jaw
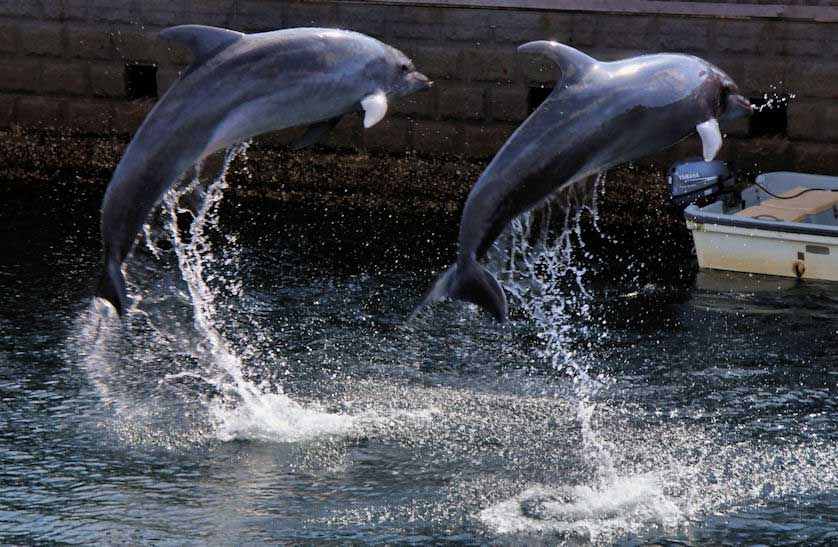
[[375, 108], [711, 138]]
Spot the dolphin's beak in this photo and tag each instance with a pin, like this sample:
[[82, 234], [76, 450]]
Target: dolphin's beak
[[737, 107], [419, 82]]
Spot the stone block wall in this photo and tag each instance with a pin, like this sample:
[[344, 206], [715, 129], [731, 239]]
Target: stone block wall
[[63, 62]]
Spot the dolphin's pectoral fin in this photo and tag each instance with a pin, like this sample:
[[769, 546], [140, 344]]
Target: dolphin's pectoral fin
[[572, 62], [375, 107], [204, 41], [711, 138], [314, 133]]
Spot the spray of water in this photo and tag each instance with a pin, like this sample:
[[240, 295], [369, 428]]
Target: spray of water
[[537, 257], [539, 262], [775, 98], [210, 371]]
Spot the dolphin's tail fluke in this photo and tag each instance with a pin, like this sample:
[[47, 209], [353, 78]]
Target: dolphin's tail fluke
[[470, 282], [112, 286]]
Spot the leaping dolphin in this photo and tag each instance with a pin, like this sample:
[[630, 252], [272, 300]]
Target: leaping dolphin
[[239, 86], [601, 114]]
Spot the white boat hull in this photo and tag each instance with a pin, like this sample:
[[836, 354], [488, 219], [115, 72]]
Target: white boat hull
[[745, 249]]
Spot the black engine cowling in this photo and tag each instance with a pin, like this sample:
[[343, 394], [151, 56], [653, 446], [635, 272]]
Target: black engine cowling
[[698, 181]]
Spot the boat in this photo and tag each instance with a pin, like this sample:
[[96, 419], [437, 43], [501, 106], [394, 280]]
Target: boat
[[786, 224]]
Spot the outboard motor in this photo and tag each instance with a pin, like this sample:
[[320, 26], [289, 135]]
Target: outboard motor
[[698, 181]]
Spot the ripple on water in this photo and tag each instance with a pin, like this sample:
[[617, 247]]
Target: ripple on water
[[294, 415]]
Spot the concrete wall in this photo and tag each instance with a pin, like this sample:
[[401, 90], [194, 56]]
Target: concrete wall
[[62, 62]]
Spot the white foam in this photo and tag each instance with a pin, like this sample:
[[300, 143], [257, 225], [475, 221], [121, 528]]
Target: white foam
[[630, 504], [275, 417]]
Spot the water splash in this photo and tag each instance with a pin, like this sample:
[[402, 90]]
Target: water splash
[[582, 513], [538, 259], [244, 409], [204, 368]]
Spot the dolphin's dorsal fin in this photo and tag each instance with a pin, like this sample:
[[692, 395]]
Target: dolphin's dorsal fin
[[204, 41], [572, 62]]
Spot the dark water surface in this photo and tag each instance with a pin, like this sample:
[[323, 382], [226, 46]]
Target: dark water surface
[[301, 409]]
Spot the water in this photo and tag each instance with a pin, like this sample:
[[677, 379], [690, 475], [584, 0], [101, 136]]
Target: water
[[267, 391]]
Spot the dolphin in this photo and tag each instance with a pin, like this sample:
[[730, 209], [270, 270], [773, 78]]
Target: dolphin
[[239, 86], [601, 114]]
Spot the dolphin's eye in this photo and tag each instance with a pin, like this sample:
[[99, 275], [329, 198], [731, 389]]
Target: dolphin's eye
[[405, 68], [725, 93]]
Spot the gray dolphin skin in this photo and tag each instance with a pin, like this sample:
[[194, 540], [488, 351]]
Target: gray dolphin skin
[[239, 86], [601, 114]]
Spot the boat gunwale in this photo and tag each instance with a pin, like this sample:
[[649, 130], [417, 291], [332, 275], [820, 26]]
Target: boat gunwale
[[698, 215], [695, 214]]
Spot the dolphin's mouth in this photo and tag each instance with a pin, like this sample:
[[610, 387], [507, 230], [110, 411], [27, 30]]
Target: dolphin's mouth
[[419, 82], [737, 107]]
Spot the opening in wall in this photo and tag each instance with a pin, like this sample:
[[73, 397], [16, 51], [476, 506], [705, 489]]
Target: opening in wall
[[141, 80], [770, 117]]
